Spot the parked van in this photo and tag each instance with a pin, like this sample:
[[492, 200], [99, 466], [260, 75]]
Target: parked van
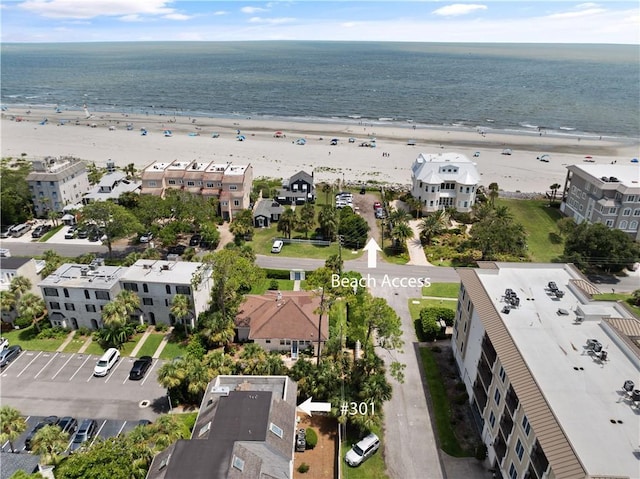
[[106, 362], [19, 230], [277, 246], [363, 450]]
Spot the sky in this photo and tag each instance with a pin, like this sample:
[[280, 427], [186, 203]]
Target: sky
[[519, 21]]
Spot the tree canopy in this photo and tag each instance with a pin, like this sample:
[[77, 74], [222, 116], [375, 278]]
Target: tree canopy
[[114, 220], [15, 197]]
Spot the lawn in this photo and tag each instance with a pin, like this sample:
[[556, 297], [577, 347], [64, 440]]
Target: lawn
[[263, 239], [372, 468], [627, 298], [415, 305], [151, 344], [94, 348], [173, 350], [440, 405], [26, 338], [260, 287], [76, 343], [539, 221], [442, 290]]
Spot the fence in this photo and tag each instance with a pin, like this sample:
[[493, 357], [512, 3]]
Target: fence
[[304, 241]]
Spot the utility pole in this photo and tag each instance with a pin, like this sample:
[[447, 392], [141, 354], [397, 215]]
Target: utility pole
[[340, 254], [320, 327]]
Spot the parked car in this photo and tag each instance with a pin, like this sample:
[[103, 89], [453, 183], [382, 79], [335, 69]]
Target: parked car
[[143, 422], [71, 233], [377, 205], [195, 240], [380, 214], [140, 367], [68, 424], [82, 234], [9, 354], [40, 231], [361, 451], [177, 249], [5, 232], [277, 246], [205, 244], [4, 343], [47, 421], [84, 434], [95, 234], [106, 362], [146, 237], [19, 230]]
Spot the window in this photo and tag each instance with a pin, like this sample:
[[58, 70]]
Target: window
[[519, 449], [526, 427], [191, 183], [103, 295], [497, 396], [513, 474], [183, 290], [171, 182], [431, 203], [166, 303], [631, 198], [633, 225], [91, 308], [613, 211], [86, 294], [235, 187], [50, 292], [69, 306], [224, 203], [209, 184], [492, 419], [65, 291], [167, 288], [609, 223], [147, 301], [53, 305], [502, 374], [623, 225], [433, 189], [276, 430], [153, 184], [236, 202], [626, 212], [238, 463], [145, 287], [130, 287]]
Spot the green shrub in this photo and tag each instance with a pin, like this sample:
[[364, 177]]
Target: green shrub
[[481, 452], [273, 285], [277, 273], [436, 349], [311, 437], [22, 322], [52, 333], [161, 328], [461, 398], [83, 331], [303, 468], [141, 328]]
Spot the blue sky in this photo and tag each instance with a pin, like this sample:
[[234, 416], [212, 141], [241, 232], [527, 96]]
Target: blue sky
[[557, 21]]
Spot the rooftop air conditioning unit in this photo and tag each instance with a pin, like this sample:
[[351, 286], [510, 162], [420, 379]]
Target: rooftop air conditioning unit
[[146, 266], [220, 390]]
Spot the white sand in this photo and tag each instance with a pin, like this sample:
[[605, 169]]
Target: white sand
[[280, 157]]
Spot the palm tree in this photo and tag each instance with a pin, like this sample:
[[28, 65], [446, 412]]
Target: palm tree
[[328, 221], [287, 222], [130, 301], [49, 442], [181, 308], [493, 192], [401, 232], [54, 216], [12, 425], [399, 216], [114, 313], [218, 362], [198, 376], [433, 225], [19, 285], [415, 204], [554, 190], [216, 329], [326, 189], [172, 374], [166, 430], [32, 306], [7, 301], [130, 170]]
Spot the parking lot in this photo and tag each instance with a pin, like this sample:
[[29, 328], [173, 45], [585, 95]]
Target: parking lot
[[41, 384]]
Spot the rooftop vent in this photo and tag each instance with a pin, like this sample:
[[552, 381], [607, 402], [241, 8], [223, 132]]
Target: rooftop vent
[[613, 179], [220, 390], [605, 179]]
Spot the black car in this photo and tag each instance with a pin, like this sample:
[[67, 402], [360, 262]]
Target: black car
[[143, 422], [40, 231], [68, 424], [84, 434], [140, 367], [9, 355], [177, 249], [47, 421], [195, 240]]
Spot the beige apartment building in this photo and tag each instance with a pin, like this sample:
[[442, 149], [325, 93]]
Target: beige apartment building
[[230, 184], [57, 182], [551, 374]]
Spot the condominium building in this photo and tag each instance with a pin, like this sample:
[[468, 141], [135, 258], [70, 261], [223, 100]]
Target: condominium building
[[444, 180], [75, 294], [110, 187], [607, 194], [230, 184], [10, 267], [157, 282], [57, 182], [551, 373]]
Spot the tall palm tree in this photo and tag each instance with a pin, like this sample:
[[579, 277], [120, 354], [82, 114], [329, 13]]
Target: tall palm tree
[[554, 190], [198, 377], [399, 216], [50, 442], [401, 232], [130, 170], [33, 307], [326, 189], [130, 301], [287, 222], [12, 425], [328, 221], [114, 313], [54, 216], [181, 309], [415, 204], [493, 192], [433, 225], [172, 374], [19, 285], [7, 301]]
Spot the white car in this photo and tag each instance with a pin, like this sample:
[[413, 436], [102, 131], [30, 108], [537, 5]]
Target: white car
[[146, 237], [363, 450], [277, 246], [4, 342], [106, 362]]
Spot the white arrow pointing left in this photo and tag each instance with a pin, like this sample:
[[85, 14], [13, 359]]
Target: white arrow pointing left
[[309, 406]]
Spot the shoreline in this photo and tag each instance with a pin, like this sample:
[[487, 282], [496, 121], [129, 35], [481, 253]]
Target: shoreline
[[70, 133]]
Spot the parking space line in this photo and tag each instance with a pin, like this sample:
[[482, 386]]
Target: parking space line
[[6, 368], [110, 373], [123, 425], [153, 365], [78, 370], [25, 368], [45, 366], [62, 367], [98, 432]]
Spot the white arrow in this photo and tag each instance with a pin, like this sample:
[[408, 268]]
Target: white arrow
[[309, 406], [372, 248]]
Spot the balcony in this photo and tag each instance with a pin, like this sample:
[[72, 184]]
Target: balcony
[[506, 424], [488, 350]]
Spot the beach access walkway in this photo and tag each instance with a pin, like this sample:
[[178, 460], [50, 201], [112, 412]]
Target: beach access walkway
[[414, 246]]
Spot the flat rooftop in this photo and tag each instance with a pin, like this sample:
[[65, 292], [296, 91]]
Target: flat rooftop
[[627, 175], [584, 393], [178, 165], [443, 157], [82, 275], [161, 271], [236, 170], [217, 167], [157, 166]]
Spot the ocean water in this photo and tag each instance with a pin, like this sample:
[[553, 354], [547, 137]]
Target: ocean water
[[570, 89]]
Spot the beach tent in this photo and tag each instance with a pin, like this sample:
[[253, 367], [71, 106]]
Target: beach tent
[[192, 133], [129, 126], [634, 160], [112, 128], [278, 134], [240, 138], [215, 135], [545, 158], [334, 141], [143, 132], [168, 133], [44, 121], [411, 142], [301, 141], [352, 140], [507, 151]]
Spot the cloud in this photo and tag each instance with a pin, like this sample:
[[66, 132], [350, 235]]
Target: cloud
[[582, 10], [271, 21], [221, 12], [252, 10], [85, 9], [458, 9], [178, 16]]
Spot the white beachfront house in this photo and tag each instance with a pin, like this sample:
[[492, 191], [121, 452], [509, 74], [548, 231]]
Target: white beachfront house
[[444, 180]]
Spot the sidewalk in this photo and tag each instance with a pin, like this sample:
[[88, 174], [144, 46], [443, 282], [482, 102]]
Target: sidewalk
[[414, 246], [141, 341], [162, 344], [66, 341]]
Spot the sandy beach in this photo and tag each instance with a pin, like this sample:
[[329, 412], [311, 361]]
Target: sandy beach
[[105, 137]]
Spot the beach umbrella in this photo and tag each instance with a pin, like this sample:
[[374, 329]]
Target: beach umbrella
[[278, 134], [635, 160], [240, 138], [301, 141], [168, 133]]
